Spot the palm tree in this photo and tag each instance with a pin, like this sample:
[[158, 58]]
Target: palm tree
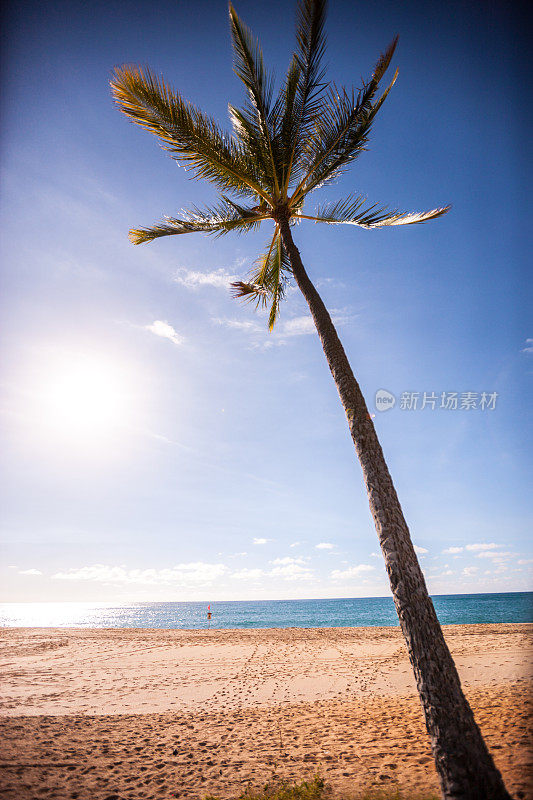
[[283, 147]]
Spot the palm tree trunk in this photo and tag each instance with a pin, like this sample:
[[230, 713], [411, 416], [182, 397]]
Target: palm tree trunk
[[465, 766]]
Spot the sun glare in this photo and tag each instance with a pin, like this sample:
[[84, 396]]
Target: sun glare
[[84, 398]]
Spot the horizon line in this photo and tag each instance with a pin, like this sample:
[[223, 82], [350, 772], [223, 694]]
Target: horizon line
[[257, 600]]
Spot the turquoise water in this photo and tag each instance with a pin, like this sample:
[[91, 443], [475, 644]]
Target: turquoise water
[[452, 609]]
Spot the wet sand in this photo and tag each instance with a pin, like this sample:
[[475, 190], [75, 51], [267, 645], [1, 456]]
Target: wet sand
[[137, 713]]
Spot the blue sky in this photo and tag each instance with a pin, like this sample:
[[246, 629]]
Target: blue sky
[[157, 442]]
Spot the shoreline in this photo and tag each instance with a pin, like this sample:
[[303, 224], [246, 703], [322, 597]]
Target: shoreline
[[53, 629], [146, 713], [459, 609]]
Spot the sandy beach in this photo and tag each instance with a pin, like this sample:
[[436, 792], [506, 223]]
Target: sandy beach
[[147, 713]]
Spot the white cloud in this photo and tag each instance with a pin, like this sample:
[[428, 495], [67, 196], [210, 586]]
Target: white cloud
[[330, 282], [284, 330], [196, 572], [481, 546], [524, 561], [444, 574], [193, 279], [260, 541], [298, 326], [495, 554], [453, 550], [165, 330], [374, 555], [324, 546], [239, 324], [293, 572], [295, 544], [281, 562], [304, 325], [468, 571], [30, 572], [351, 572], [529, 346], [248, 574], [420, 550]]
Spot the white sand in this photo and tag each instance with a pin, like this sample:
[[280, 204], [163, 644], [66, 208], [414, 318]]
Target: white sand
[[142, 713]]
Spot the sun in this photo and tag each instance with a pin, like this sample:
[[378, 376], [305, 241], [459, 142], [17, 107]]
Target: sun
[[85, 397], [72, 402]]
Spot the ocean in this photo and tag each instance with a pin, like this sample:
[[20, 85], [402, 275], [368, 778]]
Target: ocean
[[452, 609]]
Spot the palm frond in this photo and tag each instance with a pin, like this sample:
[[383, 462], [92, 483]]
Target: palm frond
[[268, 280], [340, 131], [340, 135], [310, 20], [384, 62], [249, 67], [248, 64], [192, 138], [307, 68], [352, 211], [283, 116], [221, 219], [248, 133]]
